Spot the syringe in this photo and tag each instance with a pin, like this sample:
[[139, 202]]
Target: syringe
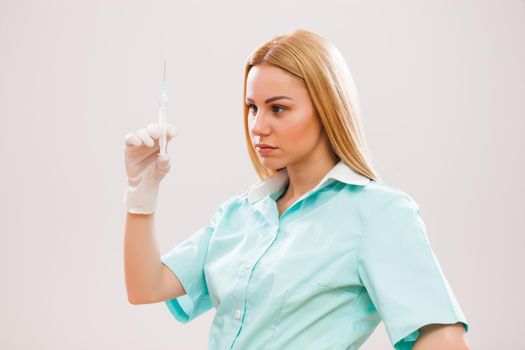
[[163, 112]]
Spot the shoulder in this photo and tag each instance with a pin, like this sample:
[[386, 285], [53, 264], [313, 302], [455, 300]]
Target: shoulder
[[392, 221], [375, 197], [233, 203]]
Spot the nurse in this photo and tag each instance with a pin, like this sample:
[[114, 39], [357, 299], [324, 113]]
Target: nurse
[[319, 251]]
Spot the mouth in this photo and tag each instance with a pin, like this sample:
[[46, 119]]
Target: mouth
[[264, 145], [265, 150]]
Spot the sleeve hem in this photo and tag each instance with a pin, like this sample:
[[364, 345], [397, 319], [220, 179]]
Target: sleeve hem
[[406, 341], [182, 307]]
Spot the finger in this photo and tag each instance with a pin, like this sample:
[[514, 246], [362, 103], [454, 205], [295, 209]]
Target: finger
[[143, 164], [144, 136], [154, 130], [132, 140], [171, 131]]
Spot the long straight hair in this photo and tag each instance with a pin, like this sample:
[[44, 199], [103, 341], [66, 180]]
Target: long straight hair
[[321, 66]]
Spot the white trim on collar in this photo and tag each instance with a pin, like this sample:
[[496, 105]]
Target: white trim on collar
[[340, 172]]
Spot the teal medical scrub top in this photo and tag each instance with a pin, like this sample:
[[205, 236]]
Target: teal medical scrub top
[[347, 255]]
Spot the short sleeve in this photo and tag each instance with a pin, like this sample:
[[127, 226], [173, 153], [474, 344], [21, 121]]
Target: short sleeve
[[186, 260], [401, 274]]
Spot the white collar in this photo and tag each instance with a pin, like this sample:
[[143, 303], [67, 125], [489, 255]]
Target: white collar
[[340, 172]]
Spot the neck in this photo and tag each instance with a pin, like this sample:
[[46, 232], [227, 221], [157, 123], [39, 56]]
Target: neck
[[306, 175]]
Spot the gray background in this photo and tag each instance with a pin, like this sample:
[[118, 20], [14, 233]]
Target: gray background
[[441, 86]]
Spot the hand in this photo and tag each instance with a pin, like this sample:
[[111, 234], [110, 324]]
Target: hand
[[145, 168]]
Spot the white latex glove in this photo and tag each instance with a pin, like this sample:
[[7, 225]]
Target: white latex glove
[[145, 168]]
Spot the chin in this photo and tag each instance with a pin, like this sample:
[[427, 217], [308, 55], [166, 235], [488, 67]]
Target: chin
[[272, 164]]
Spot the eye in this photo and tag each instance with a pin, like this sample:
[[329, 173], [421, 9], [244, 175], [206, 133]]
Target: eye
[[250, 107], [275, 108], [281, 107]]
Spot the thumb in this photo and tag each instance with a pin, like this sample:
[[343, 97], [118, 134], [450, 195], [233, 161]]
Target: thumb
[[164, 164]]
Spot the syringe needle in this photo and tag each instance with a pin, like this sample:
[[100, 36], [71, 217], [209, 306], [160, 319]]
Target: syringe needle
[[163, 112], [164, 75]]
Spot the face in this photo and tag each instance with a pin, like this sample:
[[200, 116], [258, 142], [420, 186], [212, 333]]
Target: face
[[282, 115]]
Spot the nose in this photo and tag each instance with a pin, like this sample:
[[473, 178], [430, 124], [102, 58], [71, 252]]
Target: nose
[[259, 124]]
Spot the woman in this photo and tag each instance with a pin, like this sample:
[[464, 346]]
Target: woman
[[315, 254]]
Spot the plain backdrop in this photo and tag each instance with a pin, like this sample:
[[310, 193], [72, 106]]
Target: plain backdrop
[[441, 85]]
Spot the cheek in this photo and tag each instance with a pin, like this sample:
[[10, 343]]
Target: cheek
[[301, 134]]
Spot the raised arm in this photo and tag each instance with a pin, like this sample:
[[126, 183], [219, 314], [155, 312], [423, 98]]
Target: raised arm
[[148, 280]]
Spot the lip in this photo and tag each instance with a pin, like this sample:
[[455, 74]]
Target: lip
[[265, 150], [264, 145]]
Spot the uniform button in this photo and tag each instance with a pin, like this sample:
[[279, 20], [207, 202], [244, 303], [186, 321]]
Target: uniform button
[[237, 314], [248, 264]]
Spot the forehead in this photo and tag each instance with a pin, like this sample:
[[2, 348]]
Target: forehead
[[266, 78]]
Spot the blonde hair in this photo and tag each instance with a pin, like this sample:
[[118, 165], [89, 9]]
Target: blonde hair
[[331, 87]]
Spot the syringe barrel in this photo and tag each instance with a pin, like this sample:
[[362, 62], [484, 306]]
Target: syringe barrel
[[163, 116], [163, 121], [163, 101]]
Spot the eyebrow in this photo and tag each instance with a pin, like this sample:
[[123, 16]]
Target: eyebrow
[[271, 99]]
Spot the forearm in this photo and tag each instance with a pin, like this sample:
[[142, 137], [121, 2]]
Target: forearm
[[141, 257]]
